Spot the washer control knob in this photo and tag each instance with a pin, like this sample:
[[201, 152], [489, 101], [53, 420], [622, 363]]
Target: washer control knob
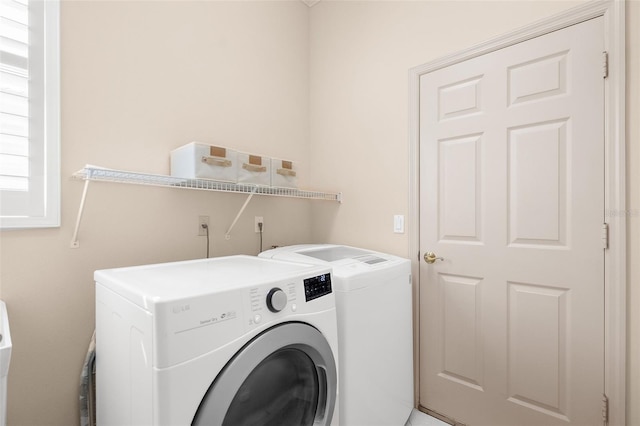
[[276, 299]]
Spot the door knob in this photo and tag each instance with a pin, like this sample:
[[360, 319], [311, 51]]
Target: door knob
[[430, 257]]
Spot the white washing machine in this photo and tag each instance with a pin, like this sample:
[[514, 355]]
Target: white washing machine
[[227, 341], [375, 330]]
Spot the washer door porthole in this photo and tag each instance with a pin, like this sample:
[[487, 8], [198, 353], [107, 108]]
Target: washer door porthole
[[284, 376]]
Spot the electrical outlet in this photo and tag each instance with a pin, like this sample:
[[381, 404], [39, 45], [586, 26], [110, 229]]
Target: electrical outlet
[[203, 220], [258, 220]]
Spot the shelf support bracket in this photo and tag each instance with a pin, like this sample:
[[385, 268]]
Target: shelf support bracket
[[74, 241], [227, 235]]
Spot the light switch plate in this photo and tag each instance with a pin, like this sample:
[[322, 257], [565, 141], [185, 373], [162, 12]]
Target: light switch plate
[[398, 224]]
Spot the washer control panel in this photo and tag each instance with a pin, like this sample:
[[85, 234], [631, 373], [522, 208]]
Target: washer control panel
[[269, 302], [276, 299], [317, 286]]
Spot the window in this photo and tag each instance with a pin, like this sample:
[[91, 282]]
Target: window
[[29, 114]]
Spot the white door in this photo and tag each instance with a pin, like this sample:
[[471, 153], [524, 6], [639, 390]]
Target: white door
[[512, 197]]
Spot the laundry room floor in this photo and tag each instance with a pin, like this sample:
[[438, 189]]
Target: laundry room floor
[[418, 418]]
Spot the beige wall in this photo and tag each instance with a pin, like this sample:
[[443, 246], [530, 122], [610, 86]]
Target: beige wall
[[360, 54], [325, 86], [139, 79]]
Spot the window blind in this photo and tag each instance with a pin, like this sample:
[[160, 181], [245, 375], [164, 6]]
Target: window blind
[[14, 95], [29, 113]]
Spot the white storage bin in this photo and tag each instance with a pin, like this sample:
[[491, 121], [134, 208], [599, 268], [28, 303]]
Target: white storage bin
[[196, 160], [254, 169], [284, 174]]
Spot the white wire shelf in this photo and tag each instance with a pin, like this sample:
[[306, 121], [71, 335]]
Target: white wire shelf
[[101, 174], [93, 173]]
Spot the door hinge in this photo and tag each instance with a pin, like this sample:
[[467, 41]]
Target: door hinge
[[605, 235], [605, 64], [605, 409]]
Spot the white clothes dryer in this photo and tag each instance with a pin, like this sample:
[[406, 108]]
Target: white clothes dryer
[[375, 331], [227, 341]]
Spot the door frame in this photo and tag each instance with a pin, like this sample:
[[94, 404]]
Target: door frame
[[615, 278]]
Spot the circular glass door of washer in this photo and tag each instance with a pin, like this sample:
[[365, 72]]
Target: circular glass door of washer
[[286, 376]]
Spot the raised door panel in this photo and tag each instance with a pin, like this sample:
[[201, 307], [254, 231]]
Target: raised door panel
[[537, 184], [459, 189], [538, 78], [462, 357], [537, 348], [459, 99]]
